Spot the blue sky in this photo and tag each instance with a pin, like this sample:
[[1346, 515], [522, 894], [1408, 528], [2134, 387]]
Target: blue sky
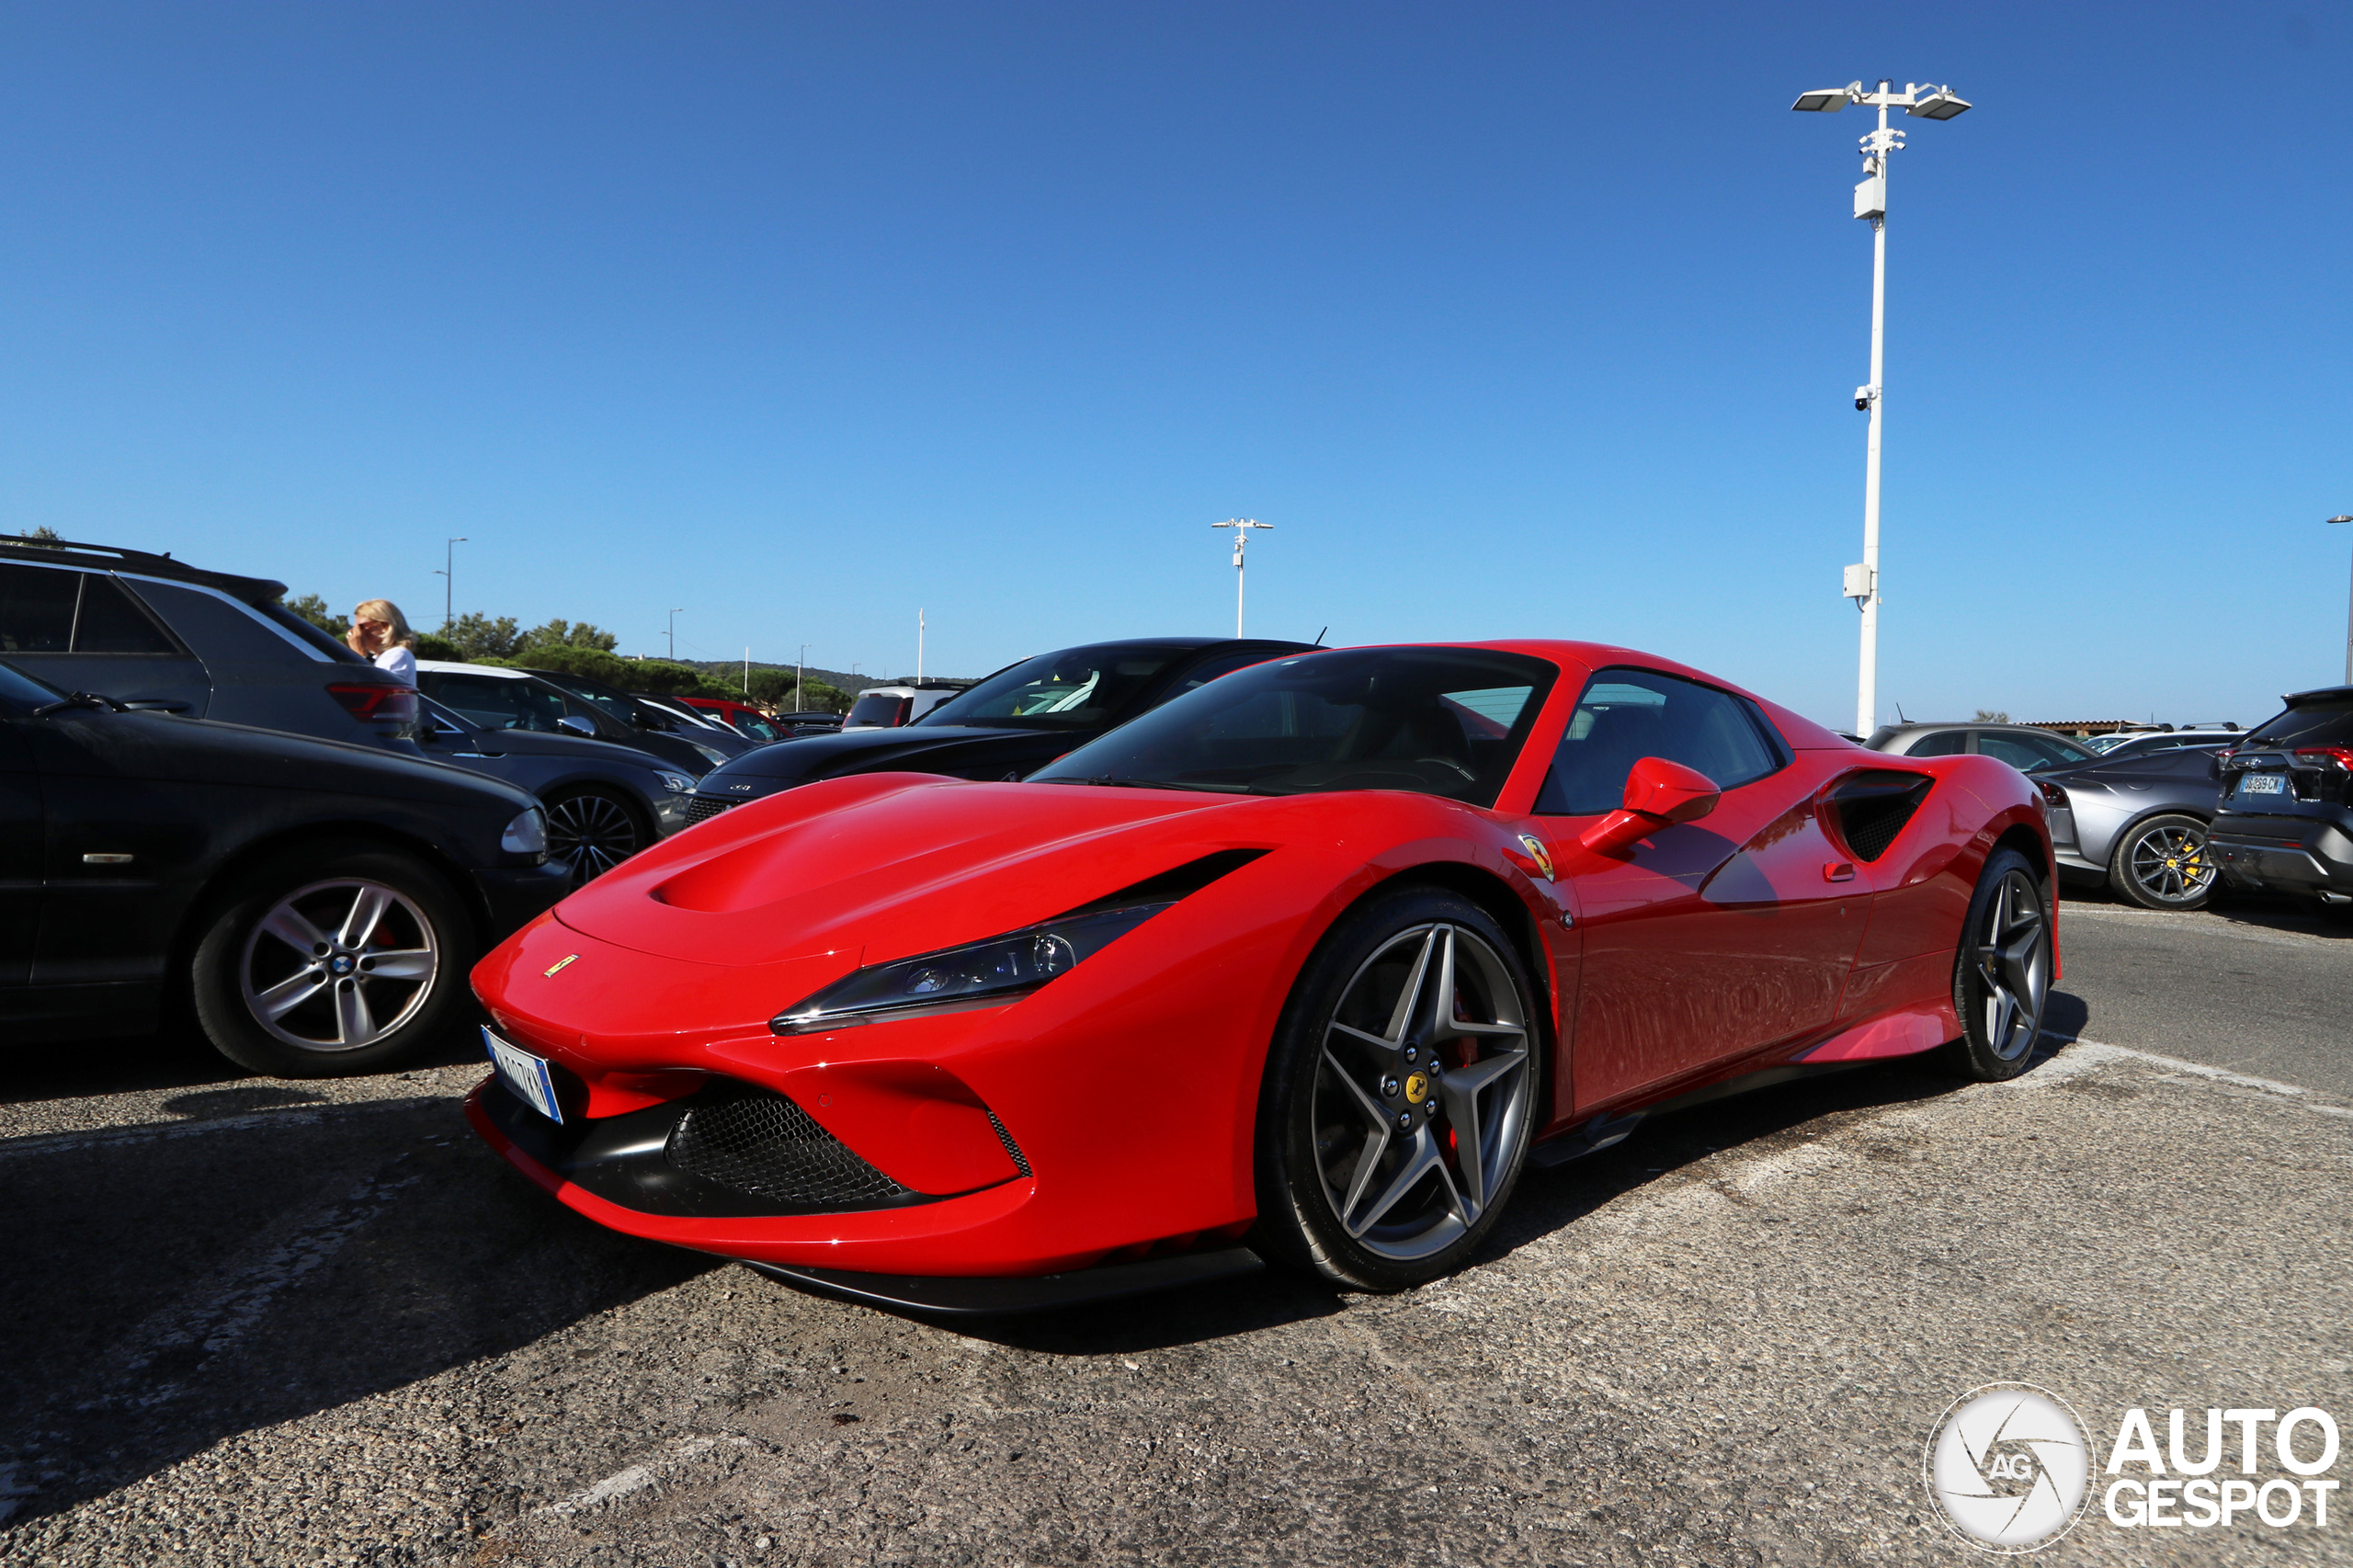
[[1514, 320]]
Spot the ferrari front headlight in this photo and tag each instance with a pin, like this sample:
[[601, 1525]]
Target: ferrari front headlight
[[979, 974]]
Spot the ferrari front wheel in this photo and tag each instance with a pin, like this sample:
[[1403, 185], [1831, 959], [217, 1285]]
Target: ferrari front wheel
[[1400, 1095], [2001, 977]]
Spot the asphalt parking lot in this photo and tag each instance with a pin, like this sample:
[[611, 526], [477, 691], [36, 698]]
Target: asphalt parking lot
[[265, 1322]]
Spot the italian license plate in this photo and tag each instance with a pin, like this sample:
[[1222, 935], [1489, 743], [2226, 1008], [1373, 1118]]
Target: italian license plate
[[2263, 784], [524, 1073]]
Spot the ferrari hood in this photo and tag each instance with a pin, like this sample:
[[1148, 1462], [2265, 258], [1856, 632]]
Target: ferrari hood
[[894, 864]]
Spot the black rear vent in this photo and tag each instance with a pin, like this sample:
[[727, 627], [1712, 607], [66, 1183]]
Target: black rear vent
[[761, 1142], [1874, 807]]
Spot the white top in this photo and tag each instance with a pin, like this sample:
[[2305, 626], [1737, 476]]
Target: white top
[[401, 662]]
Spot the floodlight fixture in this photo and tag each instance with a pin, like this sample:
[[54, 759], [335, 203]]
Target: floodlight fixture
[[1942, 103], [1823, 100]]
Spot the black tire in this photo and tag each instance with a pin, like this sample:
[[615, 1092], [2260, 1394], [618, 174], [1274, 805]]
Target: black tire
[[2006, 952], [389, 942], [2161, 863], [593, 829], [1344, 1191]]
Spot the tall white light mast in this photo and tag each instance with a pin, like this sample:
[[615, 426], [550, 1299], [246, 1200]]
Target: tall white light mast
[[1925, 102], [1241, 527]]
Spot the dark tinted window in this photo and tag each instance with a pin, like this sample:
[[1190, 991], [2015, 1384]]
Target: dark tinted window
[[2326, 724], [1943, 743], [37, 609], [1434, 721], [21, 691], [1075, 689], [2029, 753], [494, 702], [109, 622], [1626, 715], [221, 628], [877, 708], [611, 704]]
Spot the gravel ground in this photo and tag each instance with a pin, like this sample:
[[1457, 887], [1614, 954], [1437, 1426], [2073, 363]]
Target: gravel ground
[[331, 1329]]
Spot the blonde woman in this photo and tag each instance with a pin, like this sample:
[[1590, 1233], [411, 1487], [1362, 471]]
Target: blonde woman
[[380, 632]]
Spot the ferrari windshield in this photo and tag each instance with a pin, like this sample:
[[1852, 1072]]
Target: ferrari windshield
[[1079, 688], [1434, 721]]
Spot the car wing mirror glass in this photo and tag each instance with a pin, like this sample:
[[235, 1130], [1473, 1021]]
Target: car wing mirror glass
[[1659, 795], [572, 724]]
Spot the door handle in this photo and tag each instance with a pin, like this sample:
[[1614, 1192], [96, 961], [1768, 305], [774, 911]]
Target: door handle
[[1838, 872]]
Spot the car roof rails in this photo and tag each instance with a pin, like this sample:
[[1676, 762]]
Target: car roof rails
[[113, 558]]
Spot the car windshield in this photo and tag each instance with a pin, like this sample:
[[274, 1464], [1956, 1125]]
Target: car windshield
[[2324, 723], [1079, 688], [2029, 751], [609, 702], [1446, 721]]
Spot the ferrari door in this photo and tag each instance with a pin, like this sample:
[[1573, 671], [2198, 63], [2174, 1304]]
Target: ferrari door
[[1710, 939]]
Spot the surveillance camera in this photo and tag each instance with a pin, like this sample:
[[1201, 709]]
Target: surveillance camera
[[1862, 399]]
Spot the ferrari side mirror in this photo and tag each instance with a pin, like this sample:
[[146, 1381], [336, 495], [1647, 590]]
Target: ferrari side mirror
[[1659, 795]]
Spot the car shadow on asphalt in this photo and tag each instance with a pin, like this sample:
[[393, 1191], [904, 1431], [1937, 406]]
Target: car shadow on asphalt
[[175, 1057], [175, 1286]]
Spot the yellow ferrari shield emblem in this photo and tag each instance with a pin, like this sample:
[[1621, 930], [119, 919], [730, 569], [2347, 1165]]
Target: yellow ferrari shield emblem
[[1536, 852], [1417, 1089]]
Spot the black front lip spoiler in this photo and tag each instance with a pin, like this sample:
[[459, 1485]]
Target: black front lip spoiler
[[957, 1296]]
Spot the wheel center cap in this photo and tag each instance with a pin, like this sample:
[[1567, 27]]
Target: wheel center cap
[[340, 964], [1417, 1088]]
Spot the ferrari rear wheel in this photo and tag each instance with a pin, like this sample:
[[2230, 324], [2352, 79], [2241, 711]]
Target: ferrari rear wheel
[[2002, 976], [1400, 1095]]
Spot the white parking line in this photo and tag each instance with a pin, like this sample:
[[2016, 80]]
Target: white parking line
[[2082, 1055], [638, 1477]]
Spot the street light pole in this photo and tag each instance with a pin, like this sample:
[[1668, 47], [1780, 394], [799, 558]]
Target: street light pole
[[1241, 527], [448, 581], [1925, 102], [2348, 617], [800, 680], [673, 634]]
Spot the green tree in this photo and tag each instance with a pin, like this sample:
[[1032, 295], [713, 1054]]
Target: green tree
[[313, 609], [570, 634], [770, 687], [1990, 716], [478, 637], [40, 533], [432, 646], [823, 698]]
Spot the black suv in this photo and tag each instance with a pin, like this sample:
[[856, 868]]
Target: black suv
[[319, 903], [157, 633], [1013, 723], [2286, 817]]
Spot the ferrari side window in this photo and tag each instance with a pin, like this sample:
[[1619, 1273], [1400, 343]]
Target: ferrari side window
[[1626, 715]]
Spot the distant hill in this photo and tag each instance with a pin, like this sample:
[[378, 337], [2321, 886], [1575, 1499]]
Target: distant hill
[[730, 672]]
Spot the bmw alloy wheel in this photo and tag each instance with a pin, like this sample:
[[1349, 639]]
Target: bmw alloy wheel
[[2012, 956], [591, 832], [1423, 1091], [338, 965]]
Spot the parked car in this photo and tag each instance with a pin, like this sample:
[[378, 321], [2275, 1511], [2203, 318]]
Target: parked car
[[888, 707], [746, 719], [2138, 819], [159, 634], [649, 716], [2023, 746], [604, 802], [811, 722], [2132, 742], [319, 901], [708, 728], [2286, 817], [492, 697], [914, 1039], [2107, 742], [1017, 719]]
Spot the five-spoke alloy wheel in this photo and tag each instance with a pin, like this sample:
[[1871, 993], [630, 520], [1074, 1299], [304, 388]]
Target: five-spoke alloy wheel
[[331, 961], [2001, 978], [1401, 1094], [2162, 864]]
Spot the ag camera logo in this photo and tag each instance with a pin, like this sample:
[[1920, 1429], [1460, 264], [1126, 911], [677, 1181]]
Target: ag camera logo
[[2008, 1467]]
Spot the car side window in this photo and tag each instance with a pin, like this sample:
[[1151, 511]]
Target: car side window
[[110, 622], [1626, 715], [1944, 743], [2024, 753], [37, 609], [493, 703], [1208, 670]]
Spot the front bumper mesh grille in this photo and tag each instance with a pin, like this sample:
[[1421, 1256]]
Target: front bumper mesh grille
[[761, 1142], [702, 808]]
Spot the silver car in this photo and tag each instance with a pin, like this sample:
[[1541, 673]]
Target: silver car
[[2139, 821]]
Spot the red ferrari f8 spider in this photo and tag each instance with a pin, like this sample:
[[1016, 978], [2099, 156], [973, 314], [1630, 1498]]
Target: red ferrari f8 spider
[[1305, 965]]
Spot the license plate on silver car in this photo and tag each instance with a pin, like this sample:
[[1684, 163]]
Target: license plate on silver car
[[2264, 784], [524, 1074]]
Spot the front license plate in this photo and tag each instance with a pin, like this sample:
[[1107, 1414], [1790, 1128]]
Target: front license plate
[[2264, 784], [524, 1073]]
